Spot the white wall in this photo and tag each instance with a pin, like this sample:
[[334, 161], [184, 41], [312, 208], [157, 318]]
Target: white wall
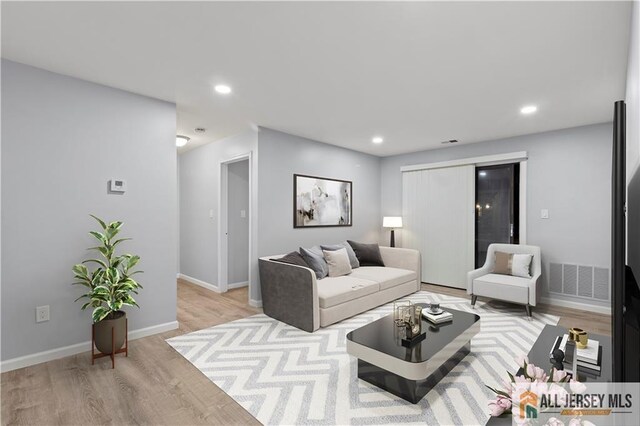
[[62, 140], [199, 191], [281, 156], [569, 173], [633, 144]]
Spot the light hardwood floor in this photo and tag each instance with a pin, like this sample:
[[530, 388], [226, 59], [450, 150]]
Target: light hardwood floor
[[155, 385]]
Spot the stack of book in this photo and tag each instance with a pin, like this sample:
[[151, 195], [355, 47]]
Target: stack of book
[[438, 318], [589, 357]]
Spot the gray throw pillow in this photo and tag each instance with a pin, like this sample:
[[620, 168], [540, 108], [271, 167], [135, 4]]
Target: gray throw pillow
[[368, 254], [353, 260], [293, 258], [315, 259]]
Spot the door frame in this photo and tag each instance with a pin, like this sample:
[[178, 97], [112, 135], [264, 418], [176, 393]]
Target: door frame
[[223, 222]]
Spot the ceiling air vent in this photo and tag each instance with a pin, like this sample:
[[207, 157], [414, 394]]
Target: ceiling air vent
[[449, 141]]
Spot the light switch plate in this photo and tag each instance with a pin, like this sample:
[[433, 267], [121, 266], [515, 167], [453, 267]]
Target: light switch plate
[[117, 185], [243, 213], [544, 214]]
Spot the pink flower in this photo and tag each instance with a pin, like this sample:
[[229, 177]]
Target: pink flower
[[559, 375], [554, 422], [499, 405], [536, 373], [577, 387], [575, 422], [521, 360], [508, 386]]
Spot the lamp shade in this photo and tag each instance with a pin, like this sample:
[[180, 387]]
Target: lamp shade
[[392, 222]]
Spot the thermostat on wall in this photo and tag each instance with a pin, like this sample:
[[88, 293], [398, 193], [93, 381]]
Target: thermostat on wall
[[117, 185]]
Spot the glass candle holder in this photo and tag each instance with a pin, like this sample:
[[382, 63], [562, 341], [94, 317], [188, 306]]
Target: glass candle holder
[[402, 312]]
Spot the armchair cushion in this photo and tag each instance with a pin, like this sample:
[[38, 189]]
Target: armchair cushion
[[504, 287]]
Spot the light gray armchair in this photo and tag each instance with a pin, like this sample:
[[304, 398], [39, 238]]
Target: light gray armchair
[[483, 282]]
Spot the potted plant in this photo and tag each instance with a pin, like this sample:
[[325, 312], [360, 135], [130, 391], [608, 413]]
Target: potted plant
[[109, 286]]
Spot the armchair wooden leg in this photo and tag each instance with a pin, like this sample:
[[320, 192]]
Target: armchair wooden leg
[[473, 299], [528, 308]]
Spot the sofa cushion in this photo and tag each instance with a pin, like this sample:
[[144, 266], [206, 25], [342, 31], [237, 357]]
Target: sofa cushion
[[335, 290], [338, 262], [353, 259], [367, 254], [314, 257], [387, 277], [504, 287]]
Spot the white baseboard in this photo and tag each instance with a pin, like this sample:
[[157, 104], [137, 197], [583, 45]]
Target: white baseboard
[[50, 355], [255, 303], [238, 285], [201, 283], [576, 305]]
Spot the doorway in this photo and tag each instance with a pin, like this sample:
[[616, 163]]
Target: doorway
[[234, 227], [497, 207]]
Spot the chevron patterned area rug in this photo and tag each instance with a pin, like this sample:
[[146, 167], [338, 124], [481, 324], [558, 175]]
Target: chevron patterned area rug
[[282, 375]]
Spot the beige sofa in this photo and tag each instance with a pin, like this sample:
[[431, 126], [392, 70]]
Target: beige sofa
[[292, 294]]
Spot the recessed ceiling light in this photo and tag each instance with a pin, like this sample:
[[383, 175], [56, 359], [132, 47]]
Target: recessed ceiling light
[[181, 140], [529, 109], [223, 89], [377, 139]]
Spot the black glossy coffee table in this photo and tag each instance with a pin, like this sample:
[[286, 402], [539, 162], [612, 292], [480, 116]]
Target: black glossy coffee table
[[411, 372]]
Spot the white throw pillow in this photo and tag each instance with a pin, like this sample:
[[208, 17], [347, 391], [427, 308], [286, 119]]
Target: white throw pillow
[[338, 261], [520, 265]]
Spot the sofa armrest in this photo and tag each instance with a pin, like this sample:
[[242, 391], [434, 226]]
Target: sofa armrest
[[533, 289], [403, 258], [290, 294], [476, 273]]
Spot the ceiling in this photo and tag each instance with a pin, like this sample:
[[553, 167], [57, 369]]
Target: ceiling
[[415, 73]]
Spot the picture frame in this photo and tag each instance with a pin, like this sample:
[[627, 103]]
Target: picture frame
[[320, 202]]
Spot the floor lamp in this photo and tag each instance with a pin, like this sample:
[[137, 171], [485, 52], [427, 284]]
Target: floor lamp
[[392, 222]]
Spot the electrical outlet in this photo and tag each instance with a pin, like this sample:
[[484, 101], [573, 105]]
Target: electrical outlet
[[42, 313]]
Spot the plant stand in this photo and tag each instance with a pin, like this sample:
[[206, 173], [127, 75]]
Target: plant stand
[[113, 353]]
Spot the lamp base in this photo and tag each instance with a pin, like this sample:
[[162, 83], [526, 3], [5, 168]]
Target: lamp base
[[392, 243]]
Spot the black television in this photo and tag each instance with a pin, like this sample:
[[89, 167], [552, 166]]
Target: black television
[[625, 291]]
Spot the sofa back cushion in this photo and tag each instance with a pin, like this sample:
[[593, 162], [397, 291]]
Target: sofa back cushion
[[353, 259], [293, 258], [367, 254], [315, 258], [338, 262]]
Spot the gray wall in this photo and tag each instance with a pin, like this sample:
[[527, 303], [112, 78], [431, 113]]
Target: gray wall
[[238, 226], [282, 155], [633, 145], [569, 173], [62, 140], [199, 186]]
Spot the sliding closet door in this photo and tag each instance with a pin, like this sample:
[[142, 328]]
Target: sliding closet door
[[438, 209]]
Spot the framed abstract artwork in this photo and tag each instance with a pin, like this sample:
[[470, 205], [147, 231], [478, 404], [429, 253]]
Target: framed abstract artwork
[[321, 202]]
